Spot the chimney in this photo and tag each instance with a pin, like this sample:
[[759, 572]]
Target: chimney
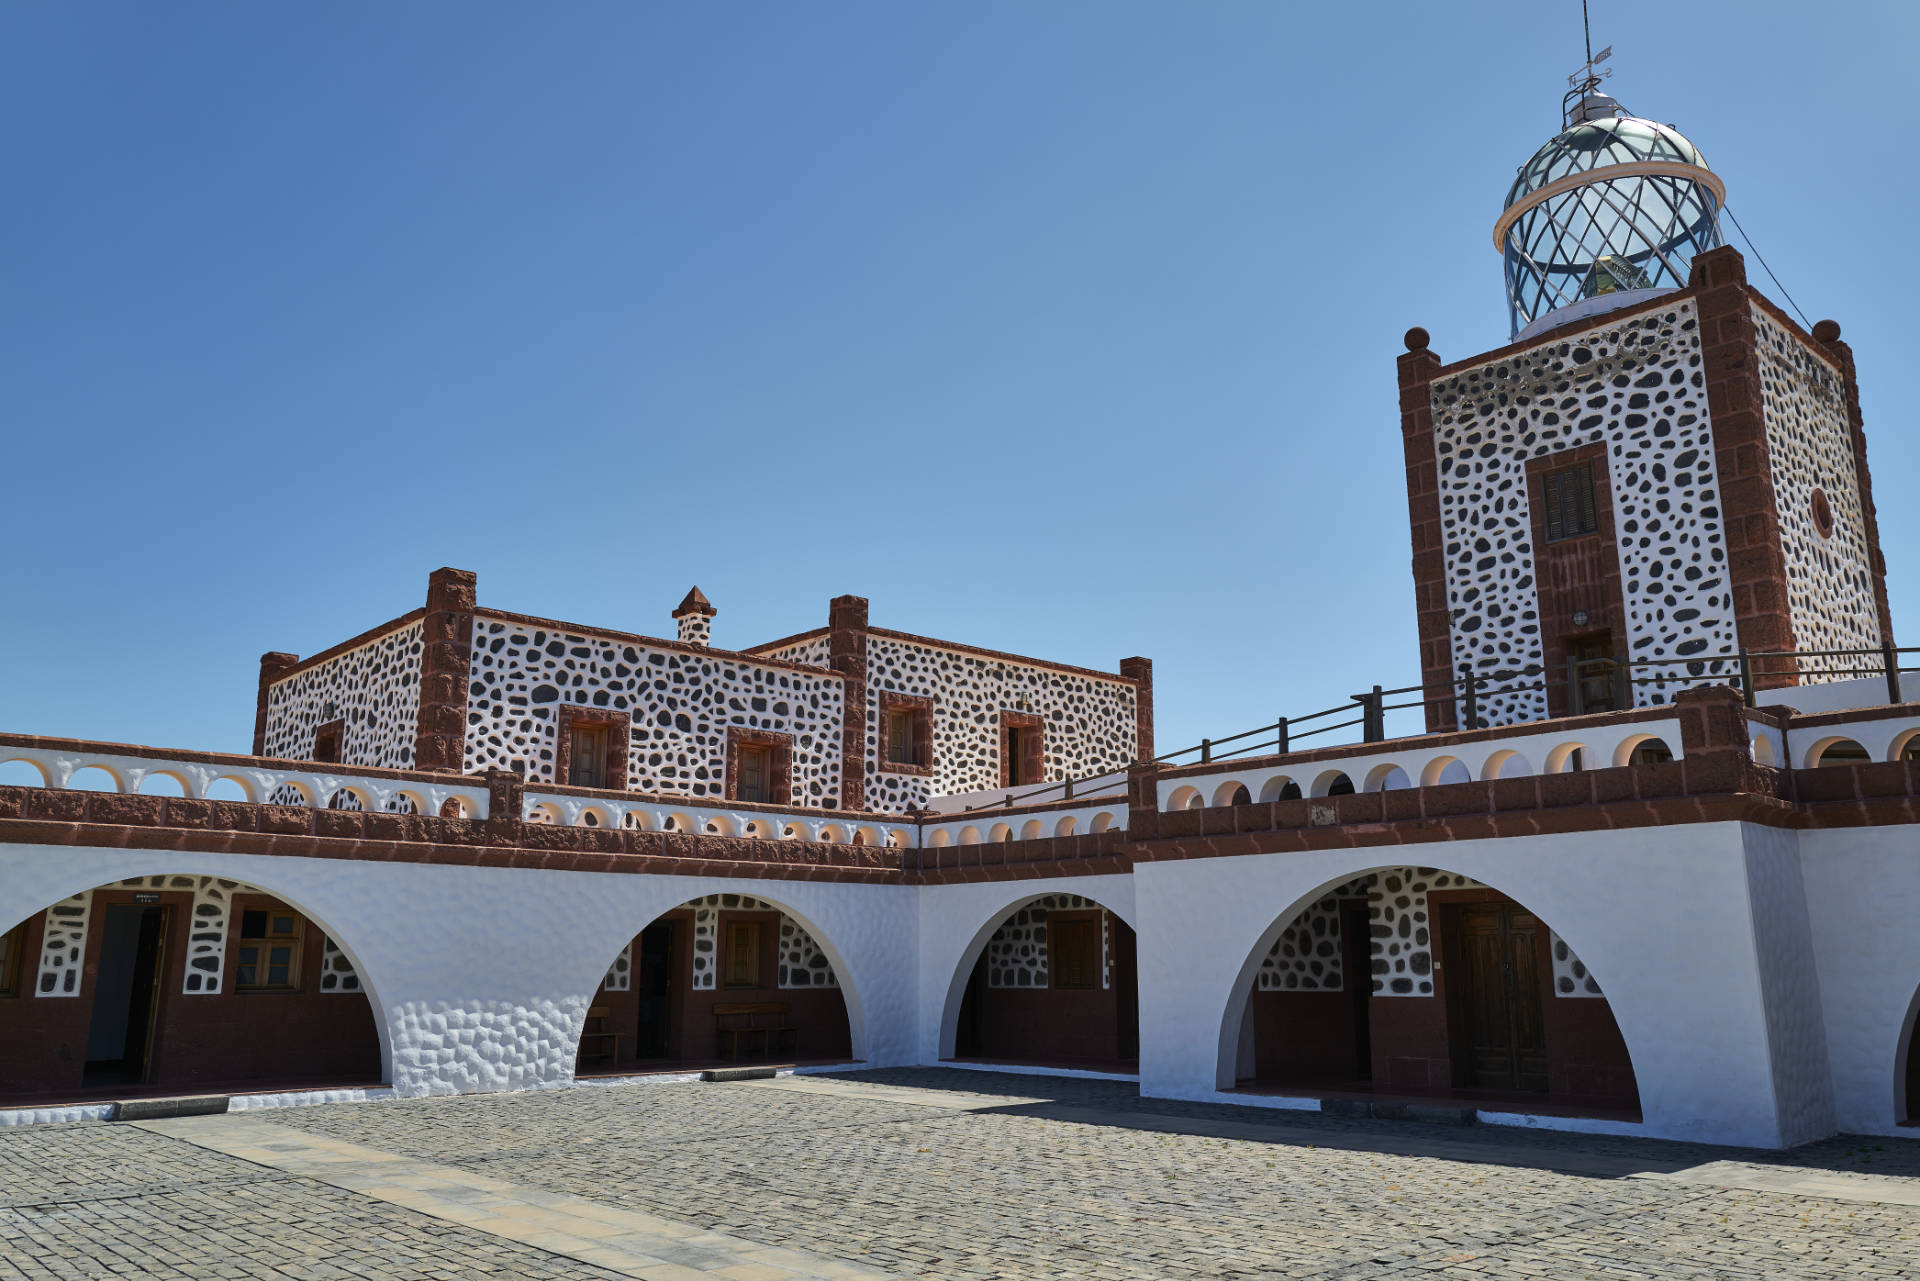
[[695, 617]]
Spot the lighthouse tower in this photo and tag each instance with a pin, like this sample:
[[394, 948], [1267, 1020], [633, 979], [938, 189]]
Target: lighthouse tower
[[1661, 465]]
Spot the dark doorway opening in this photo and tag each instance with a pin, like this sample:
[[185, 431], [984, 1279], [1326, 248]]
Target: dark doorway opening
[[1594, 675], [655, 984], [125, 995], [966, 1036], [1126, 989], [1356, 960], [1494, 988]]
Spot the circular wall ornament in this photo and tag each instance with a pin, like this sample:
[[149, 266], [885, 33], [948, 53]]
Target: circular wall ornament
[[1580, 618], [1822, 513]]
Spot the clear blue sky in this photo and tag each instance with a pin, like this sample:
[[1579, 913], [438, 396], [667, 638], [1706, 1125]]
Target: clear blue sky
[[1064, 328]]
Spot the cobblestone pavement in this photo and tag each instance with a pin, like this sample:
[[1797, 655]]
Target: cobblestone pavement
[[933, 1172]]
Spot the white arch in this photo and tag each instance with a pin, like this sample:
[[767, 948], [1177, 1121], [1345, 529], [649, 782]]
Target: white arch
[[1623, 752], [177, 779], [1101, 822], [1032, 830], [836, 960], [1560, 760], [1064, 827], [1815, 755], [1444, 769], [1183, 798], [759, 829], [1902, 743], [1001, 832], [1386, 777], [718, 825], [637, 820], [1225, 793], [1505, 763], [830, 833], [113, 776], [38, 768], [1008, 899], [940, 839], [1239, 992], [69, 884], [969, 835], [1327, 779], [1271, 789]]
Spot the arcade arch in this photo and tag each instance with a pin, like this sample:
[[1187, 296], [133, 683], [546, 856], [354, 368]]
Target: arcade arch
[[1405, 981], [1051, 979], [181, 983], [725, 978]]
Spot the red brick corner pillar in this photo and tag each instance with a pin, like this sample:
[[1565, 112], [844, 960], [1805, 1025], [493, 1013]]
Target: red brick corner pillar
[[1143, 801], [1417, 368], [1827, 334], [1712, 719], [1730, 357], [440, 740], [1140, 672], [273, 666], [847, 654]]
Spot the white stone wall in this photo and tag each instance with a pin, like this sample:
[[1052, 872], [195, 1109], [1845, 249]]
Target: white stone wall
[[375, 689], [681, 706], [1635, 386], [1089, 725], [1830, 595]]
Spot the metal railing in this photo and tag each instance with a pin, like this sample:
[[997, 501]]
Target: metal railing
[[1591, 684]]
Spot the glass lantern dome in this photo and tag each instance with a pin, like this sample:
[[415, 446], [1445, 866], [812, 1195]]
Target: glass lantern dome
[[1611, 209]]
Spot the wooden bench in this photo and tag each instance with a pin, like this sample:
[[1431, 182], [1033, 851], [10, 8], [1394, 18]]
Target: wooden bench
[[596, 1043], [764, 1019]]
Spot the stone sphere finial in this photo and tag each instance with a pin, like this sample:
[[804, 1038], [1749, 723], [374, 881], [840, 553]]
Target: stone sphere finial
[[1417, 339], [1826, 331]]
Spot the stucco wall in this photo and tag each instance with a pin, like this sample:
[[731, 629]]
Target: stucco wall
[[681, 704], [375, 688]]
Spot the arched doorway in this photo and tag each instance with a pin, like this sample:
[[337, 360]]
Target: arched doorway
[[1054, 984], [724, 979], [174, 983], [1424, 983]]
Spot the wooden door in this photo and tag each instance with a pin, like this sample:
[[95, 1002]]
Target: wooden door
[[1496, 988]]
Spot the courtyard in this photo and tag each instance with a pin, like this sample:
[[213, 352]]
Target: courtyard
[[924, 1172]]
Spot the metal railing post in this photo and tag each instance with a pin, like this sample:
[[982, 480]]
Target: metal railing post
[[1373, 720], [1069, 790], [1280, 740], [1206, 751], [1746, 677], [1622, 685], [1471, 720], [1892, 660]]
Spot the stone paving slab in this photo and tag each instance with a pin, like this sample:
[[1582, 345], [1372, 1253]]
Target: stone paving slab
[[931, 1173], [627, 1242]]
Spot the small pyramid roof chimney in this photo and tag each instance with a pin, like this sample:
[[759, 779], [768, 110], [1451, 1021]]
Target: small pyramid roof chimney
[[695, 603]]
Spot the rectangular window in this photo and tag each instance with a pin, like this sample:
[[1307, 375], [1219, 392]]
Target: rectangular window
[[1025, 760], [587, 756], [756, 775], [743, 954], [1570, 509], [269, 951], [1073, 951], [12, 943], [900, 737], [326, 741]]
